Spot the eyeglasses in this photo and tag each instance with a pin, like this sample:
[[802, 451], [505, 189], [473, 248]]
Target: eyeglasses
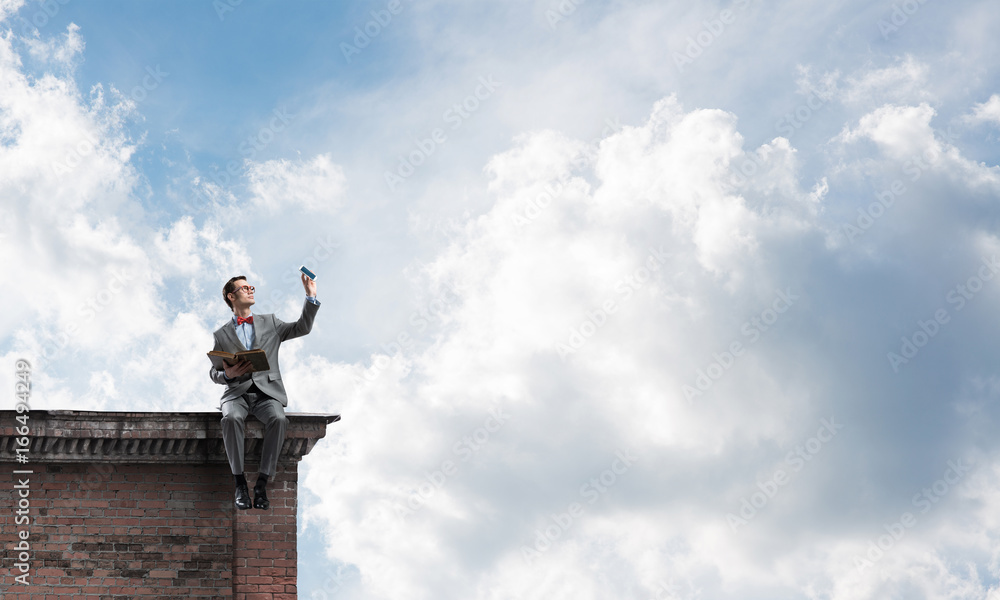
[[247, 289]]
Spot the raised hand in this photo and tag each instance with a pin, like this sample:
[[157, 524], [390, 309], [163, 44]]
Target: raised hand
[[309, 284]]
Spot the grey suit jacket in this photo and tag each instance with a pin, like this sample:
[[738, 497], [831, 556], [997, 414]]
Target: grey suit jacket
[[269, 332]]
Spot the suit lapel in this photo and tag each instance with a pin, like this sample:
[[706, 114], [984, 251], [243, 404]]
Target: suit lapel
[[261, 331], [230, 332]]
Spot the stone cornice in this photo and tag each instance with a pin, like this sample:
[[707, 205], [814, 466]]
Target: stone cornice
[[145, 437]]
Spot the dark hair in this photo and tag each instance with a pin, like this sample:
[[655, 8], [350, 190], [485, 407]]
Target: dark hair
[[230, 288]]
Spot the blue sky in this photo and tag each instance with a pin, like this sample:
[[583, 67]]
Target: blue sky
[[621, 299]]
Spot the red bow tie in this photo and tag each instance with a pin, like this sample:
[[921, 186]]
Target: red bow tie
[[241, 320]]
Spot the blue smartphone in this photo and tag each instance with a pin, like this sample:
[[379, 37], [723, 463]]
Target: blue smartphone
[[308, 273]]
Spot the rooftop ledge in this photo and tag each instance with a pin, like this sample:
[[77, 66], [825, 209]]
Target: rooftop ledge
[[59, 436]]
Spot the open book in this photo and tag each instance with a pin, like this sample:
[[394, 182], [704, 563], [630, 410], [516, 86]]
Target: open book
[[257, 359]]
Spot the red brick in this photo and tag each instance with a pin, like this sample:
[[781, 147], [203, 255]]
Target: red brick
[[116, 528]]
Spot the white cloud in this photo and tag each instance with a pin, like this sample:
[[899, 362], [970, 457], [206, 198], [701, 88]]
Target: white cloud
[[178, 247], [568, 232], [317, 185], [90, 275], [60, 52], [592, 286], [601, 258], [907, 139], [899, 131], [9, 7], [906, 81], [986, 112]]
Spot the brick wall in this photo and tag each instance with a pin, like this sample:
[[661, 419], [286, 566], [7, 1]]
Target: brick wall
[[264, 554], [160, 525]]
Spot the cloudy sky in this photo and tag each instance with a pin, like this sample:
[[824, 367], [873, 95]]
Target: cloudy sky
[[620, 299]]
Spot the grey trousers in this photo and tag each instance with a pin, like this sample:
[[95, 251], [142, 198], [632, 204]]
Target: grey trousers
[[269, 412]]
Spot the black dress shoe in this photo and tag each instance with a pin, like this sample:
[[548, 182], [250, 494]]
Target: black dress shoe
[[260, 498], [242, 496]]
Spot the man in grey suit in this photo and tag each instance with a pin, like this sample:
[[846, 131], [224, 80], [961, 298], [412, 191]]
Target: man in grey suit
[[260, 393]]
